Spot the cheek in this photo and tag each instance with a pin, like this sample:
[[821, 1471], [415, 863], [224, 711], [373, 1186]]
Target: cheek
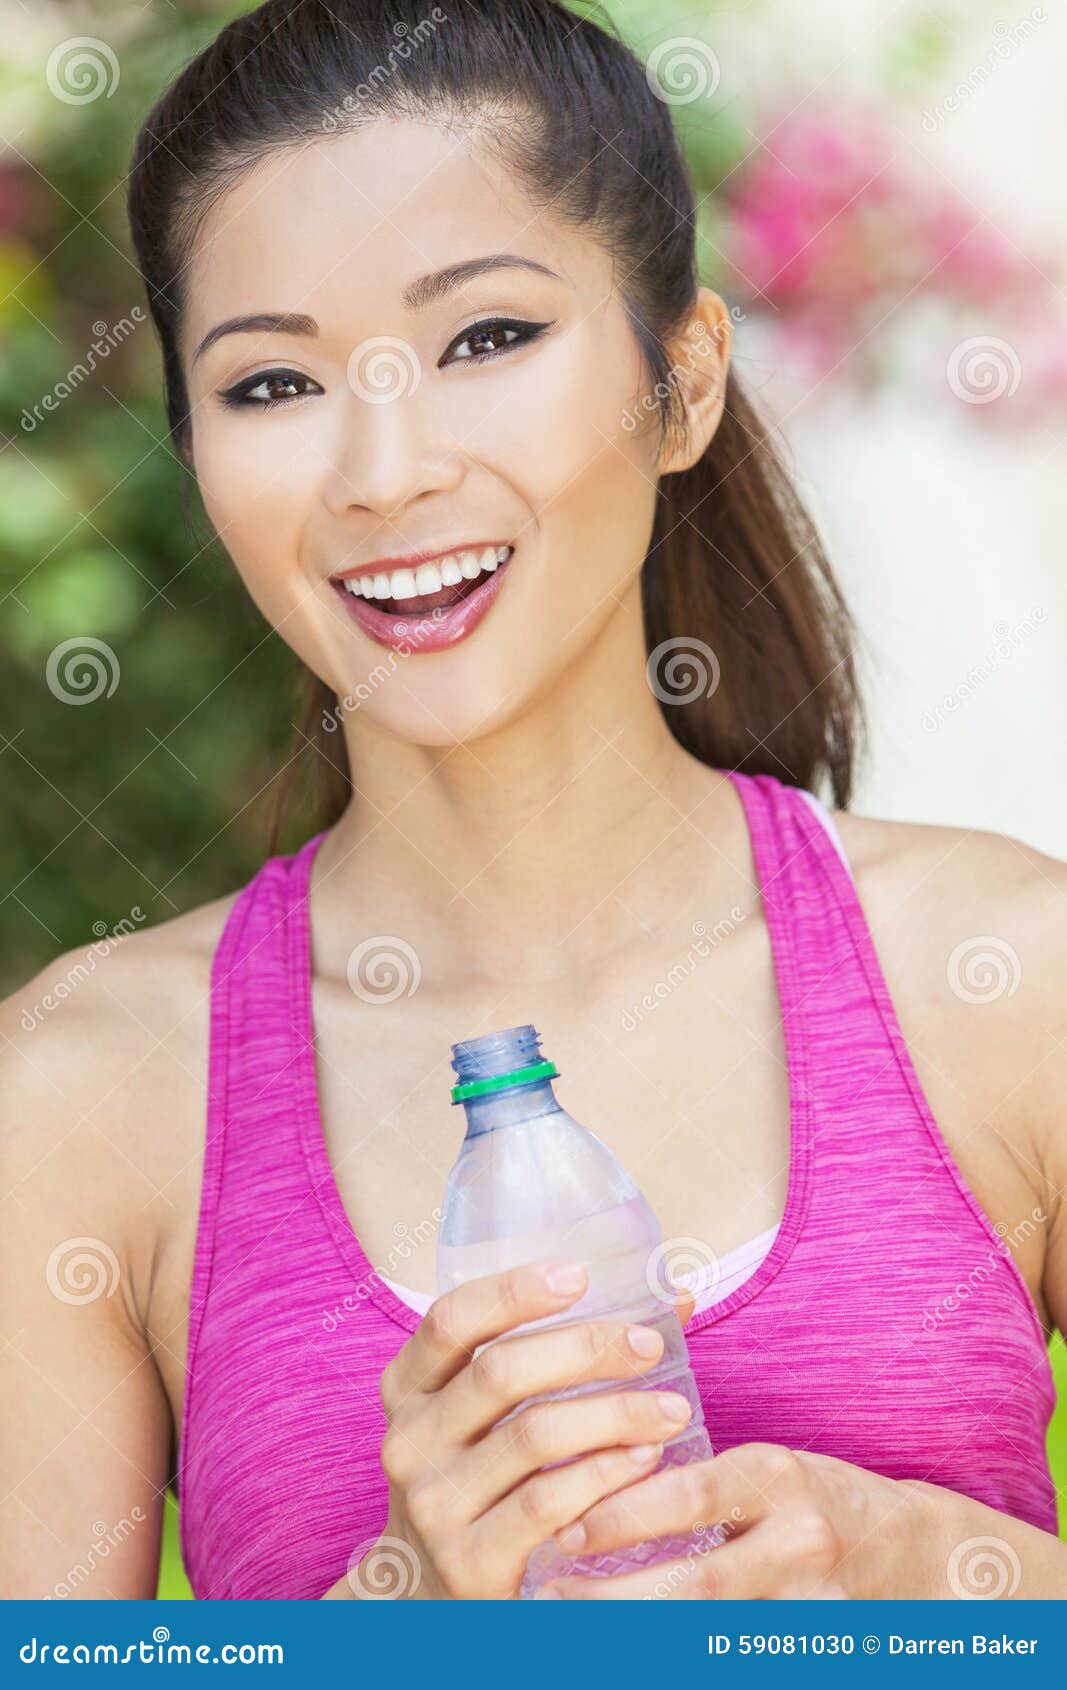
[[558, 429], [257, 484]]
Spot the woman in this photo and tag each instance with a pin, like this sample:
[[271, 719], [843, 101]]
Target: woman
[[464, 421]]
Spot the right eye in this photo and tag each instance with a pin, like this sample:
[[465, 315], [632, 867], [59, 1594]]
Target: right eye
[[247, 392]]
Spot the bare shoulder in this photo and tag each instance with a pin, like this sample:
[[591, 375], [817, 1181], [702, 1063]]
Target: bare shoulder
[[970, 927], [103, 1057], [989, 907]]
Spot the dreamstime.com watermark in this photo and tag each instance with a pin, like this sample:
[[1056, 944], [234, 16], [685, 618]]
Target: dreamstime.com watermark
[[81, 69], [107, 338], [682, 69], [701, 346], [709, 1537], [81, 670], [682, 669], [983, 1271], [383, 968], [105, 1539], [677, 1259], [982, 369], [983, 1569], [1007, 38], [1006, 642], [408, 1240], [383, 368], [160, 1651], [78, 972], [681, 971], [82, 1270], [407, 40], [383, 1569], [411, 632], [983, 968]]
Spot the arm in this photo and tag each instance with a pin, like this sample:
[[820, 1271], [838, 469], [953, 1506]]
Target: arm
[[86, 1425], [85, 1448]]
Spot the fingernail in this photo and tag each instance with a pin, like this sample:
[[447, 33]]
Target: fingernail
[[646, 1452], [571, 1537], [644, 1341], [675, 1408], [545, 1590], [565, 1276]]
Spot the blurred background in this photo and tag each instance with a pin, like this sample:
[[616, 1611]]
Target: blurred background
[[880, 203]]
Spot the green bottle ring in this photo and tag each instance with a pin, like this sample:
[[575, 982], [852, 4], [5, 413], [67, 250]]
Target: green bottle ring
[[476, 1088]]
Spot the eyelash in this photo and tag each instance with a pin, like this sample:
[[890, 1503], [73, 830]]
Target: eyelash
[[526, 333], [239, 396]]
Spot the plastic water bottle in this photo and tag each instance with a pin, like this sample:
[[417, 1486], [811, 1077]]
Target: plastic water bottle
[[530, 1184]]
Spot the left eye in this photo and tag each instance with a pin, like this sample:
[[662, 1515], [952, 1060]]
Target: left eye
[[507, 334], [259, 393]]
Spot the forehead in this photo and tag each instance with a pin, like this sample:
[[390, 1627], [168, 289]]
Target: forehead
[[361, 213]]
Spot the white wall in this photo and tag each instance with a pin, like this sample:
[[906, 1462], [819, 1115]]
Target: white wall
[[948, 541]]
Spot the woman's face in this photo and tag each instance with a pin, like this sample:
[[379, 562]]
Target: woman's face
[[395, 438]]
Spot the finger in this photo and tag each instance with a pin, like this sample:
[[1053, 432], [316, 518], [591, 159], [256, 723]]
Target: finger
[[515, 1371], [757, 1566], [557, 1431], [734, 1490], [455, 1324], [532, 1512], [676, 1499]]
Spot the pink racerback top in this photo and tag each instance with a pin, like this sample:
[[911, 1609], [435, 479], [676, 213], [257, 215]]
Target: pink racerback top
[[888, 1325]]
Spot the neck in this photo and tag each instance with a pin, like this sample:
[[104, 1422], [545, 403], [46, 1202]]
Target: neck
[[551, 838]]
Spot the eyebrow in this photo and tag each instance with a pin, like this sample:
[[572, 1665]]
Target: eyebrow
[[427, 289], [416, 296]]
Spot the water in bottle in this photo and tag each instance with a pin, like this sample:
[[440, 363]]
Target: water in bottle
[[530, 1184]]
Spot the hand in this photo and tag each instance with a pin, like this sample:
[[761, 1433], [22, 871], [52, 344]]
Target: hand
[[797, 1525], [467, 1499]]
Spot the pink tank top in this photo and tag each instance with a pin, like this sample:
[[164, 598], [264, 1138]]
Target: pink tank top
[[888, 1325]]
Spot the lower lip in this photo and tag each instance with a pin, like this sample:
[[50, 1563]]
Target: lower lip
[[437, 630]]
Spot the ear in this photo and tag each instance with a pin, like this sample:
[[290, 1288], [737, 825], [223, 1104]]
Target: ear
[[700, 359]]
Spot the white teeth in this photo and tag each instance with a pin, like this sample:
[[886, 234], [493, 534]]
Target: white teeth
[[428, 577]]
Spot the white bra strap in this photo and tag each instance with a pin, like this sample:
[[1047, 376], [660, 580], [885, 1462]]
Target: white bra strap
[[824, 815]]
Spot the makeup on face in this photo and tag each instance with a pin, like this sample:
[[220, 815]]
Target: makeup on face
[[429, 601]]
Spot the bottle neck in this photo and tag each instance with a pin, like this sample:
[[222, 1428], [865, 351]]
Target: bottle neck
[[502, 1078], [503, 1108]]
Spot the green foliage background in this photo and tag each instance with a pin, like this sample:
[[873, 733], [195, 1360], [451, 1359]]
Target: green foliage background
[[156, 797], [153, 796]]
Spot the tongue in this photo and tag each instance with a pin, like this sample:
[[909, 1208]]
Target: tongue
[[431, 601]]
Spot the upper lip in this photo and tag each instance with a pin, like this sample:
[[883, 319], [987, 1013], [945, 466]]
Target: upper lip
[[411, 560]]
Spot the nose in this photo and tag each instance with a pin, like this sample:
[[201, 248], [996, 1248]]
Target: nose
[[391, 447]]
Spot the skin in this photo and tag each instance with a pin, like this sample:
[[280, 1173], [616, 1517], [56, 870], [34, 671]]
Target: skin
[[518, 797]]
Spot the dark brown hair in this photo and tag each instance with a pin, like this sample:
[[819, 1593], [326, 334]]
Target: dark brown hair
[[734, 562]]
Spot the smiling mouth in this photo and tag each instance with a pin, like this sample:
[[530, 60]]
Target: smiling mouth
[[428, 587]]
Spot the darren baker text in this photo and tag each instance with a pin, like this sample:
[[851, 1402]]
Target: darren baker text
[[980, 1645]]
